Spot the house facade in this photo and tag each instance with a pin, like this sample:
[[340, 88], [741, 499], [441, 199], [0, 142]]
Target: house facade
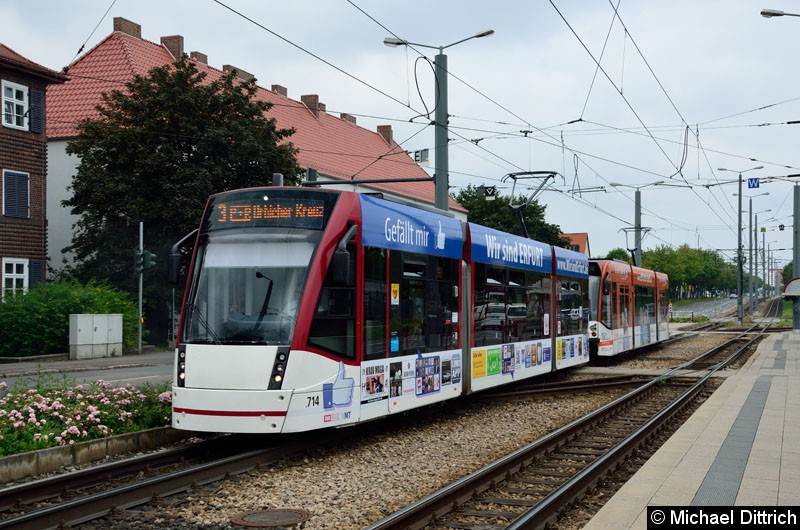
[[330, 148], [23, 170]]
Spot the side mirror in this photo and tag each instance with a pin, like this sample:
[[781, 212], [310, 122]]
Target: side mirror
[[175, 262], [343, 269], [176, 258]]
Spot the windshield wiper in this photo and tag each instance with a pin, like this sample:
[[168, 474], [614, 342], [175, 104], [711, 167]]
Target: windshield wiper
[[265, 305], [194, 312]]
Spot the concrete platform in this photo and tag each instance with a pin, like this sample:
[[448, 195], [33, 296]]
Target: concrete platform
[[740, 448]]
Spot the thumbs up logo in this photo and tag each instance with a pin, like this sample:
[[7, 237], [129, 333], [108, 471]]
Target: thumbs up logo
[[440, 238], [340, 392]]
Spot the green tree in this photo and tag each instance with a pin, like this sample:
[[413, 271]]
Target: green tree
[[499, 214], [691, 272], [619, 254], [157, 151], [788, 272]]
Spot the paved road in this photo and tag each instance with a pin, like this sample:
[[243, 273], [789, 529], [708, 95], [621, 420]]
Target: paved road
[[713, 309], [134, 369]]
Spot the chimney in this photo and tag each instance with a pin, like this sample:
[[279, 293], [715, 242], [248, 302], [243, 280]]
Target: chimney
[[199, 57], [312, 102], [349, 118], [386, 132], [280, 90], [126, 26], [241, 74], [173, 43]]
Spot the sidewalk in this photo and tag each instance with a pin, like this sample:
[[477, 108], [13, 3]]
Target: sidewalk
[[58, 364]]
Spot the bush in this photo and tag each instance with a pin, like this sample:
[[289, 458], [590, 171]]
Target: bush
[[52, 413], [37, 322]]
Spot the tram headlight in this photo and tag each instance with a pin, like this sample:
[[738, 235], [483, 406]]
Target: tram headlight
[[279, 368], [181, 372]]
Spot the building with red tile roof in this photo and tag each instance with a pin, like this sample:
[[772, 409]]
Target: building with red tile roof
[[329, 147], [23, 175], [579, 242]]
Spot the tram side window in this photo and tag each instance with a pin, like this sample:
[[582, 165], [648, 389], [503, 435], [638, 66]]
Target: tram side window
[[490, 305], [663, 306], [516, 308], [624, 306], [537, 288], [374, 303], [333, 327], [609, 317], [645, 305], [442, 318], [573, 311], [481, 297], [423, 318]]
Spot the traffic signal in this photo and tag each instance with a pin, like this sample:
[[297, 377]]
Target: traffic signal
[[149, 260], [138, 262]]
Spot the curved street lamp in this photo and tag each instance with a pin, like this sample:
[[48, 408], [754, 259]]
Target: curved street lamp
[[441, 158], [769, 13]]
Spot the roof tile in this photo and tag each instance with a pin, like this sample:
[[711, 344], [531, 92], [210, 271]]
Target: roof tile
[[329, 144]]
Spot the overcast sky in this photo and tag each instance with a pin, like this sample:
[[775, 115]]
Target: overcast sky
[[684, 87]]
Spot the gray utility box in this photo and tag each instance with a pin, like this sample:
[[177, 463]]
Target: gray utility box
[[93, 336]]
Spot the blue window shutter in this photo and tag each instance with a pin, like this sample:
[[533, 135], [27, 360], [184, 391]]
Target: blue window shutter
[[15, 194], [35, 272], [22, 196], [10, 195], [36, 110]]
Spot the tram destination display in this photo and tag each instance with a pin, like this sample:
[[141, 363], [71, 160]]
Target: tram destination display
[[269, 210]]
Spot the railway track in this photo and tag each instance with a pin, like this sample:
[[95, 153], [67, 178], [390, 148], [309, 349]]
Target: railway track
[[528, 488], [69, 499], [74, 498]]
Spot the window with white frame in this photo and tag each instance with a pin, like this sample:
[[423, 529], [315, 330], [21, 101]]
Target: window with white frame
[[16, 194], [15, 276], [15, 105]]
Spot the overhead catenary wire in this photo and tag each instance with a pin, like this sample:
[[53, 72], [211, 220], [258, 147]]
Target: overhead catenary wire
[[486, 148]]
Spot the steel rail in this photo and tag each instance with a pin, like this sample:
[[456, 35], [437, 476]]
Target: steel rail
[[419, 514]]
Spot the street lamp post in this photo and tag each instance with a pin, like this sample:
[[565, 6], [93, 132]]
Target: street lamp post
[[796, 256], [441, 157], [769, 13], [739, 257], [754, 255]]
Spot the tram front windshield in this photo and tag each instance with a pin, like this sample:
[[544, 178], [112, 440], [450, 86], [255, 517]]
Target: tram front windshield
[[246, 286]]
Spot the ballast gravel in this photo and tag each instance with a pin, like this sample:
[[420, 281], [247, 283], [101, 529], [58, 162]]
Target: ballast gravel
[[357, 483]]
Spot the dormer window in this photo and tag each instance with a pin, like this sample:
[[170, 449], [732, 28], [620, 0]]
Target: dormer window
[[15, 105]]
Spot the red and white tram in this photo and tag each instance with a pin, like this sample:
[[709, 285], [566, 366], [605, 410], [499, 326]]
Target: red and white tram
[[308, 308], [629, 307]]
